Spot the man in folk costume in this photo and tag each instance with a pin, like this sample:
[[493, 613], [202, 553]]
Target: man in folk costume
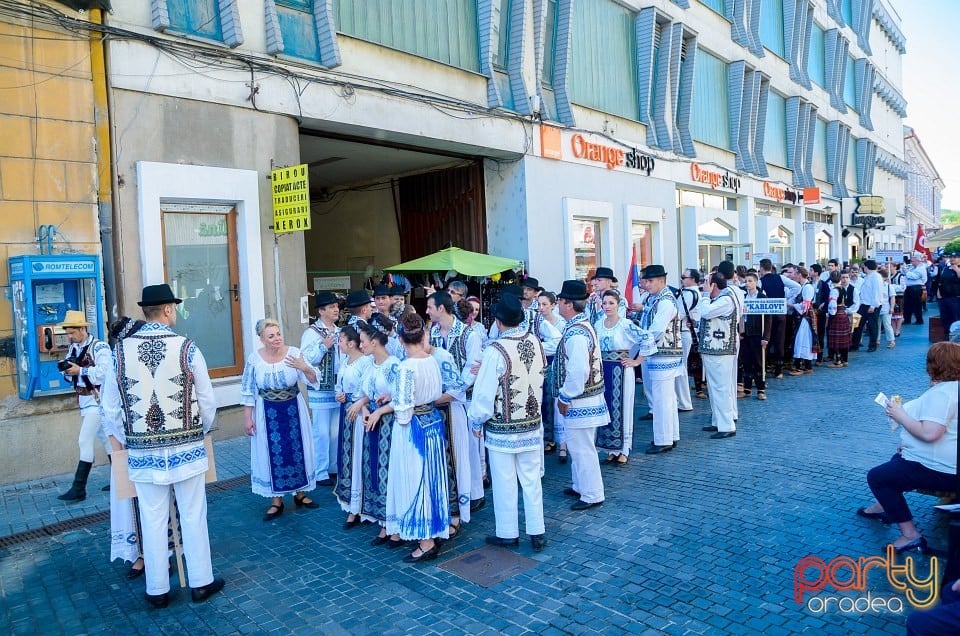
[[358, 307], [506, 408], [719, 332], [661, 369], [580, 402], [319, 347], [603, 279], [93, 361], [160, 404], [466, 347], [382, 300], [688, 308]]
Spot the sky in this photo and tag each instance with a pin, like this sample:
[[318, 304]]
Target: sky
[[931, 29]]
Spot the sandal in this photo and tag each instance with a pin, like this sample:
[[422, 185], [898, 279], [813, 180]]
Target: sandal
[[453, 532], [549, 447], [622, 460], [301, 501], [278, 510], [611, 459], [562, 455]]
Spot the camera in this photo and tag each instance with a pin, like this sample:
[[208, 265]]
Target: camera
[[64, 364]]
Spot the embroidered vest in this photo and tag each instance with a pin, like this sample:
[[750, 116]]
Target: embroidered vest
[[577, 326], [718, 335], [670, 343], [156, 391], [326, 369], [516, 409]]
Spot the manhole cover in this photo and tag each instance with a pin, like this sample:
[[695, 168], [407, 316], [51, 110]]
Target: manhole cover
[[488, 565]]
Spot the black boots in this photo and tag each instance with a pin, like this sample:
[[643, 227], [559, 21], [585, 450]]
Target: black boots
[[78, 491]]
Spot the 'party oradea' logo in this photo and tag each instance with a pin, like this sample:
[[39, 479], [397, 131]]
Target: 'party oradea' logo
[[815, 576]]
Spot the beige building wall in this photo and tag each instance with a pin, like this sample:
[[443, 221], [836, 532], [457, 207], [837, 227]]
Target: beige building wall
[[48, 176]]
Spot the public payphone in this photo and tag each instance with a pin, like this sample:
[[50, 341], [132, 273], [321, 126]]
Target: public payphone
[[43, 289]]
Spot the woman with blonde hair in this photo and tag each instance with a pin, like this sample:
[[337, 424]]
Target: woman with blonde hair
[[276, 418]]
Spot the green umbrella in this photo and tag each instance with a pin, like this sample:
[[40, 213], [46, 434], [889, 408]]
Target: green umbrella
[[460, 261]]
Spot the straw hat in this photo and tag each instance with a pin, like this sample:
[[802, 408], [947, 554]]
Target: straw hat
[[74, 319]]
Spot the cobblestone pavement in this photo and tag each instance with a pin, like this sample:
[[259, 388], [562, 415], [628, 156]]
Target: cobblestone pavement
[[702, 540]]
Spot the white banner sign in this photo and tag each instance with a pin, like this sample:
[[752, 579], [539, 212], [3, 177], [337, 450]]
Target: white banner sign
[[765, 306], [889, 256], [332, 283]]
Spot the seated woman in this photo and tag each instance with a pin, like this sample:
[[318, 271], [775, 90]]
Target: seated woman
[[927, 457], [277, 420]]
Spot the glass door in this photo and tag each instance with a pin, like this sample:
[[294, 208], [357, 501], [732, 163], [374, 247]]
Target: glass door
[[200, 259]]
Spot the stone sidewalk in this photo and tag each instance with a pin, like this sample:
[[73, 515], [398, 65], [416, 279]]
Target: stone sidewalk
[[702, 540]]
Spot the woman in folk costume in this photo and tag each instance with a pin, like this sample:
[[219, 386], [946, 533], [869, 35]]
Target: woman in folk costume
[[276, 418], [418, 504], [454, 402], [623, 345], [353, 365], [553, 433], [838, 322], [125, 534], [376, 391], [805, 341]]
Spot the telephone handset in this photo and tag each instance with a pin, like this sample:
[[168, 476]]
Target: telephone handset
[[52, 339]]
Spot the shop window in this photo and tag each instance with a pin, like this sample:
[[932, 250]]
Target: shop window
[[201, 265], [441, 30], [771, 27], [706, 200], [775, 137], [710, 120], [715, 231], [603, 71], [209, 19], [815, 61], [641, 236], [780, 242], [587, 246]]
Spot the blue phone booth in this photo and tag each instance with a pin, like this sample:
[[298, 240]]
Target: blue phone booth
[[43, 289]]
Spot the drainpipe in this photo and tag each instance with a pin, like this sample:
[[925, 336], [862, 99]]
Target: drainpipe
[[101, 110]]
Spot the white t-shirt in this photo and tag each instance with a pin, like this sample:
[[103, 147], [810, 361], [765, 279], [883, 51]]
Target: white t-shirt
[[939, 405]]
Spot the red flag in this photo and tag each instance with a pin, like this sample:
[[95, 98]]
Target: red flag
[[633, 280], [921, 243]]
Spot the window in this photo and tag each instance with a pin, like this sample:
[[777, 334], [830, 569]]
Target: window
[[850, 84], [779, 241], [815, 62], [200, 258], [586, 247], [820, 150], [549, 43], [299, 29], [501, 53], [710, 118], [195, 17], [720, 6], [441, 30], [850, 177], [706, 200], [771, 27], [775, 137], [846, 10], [603, 72], [641, 236]]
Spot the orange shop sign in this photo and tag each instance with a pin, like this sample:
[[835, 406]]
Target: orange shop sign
[[584, 148], [807, 196], [714, 179]]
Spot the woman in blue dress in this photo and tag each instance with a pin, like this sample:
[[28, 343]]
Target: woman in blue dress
[[353, 365]]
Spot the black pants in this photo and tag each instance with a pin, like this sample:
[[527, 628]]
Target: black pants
[[911, 304], [870, 320], [751, 360], [821, 333], [889, 481], [949, 313], [775, 353]]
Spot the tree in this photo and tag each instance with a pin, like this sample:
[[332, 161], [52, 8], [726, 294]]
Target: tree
[[952, 248], [949, 218]]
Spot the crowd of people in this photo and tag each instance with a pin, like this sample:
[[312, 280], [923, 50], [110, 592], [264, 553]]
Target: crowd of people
[[408, 421]]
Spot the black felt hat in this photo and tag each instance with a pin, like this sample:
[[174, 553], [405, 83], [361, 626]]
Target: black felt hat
[[508, 310], [653, 271], [573, 290], [397, 290], [511, 290], [381, 290], [358, 298], [604, 272], [324, 298], [154, 295], [531, 282]]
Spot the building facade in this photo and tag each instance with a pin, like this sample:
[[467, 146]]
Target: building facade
[[564, 133], [924, 187]]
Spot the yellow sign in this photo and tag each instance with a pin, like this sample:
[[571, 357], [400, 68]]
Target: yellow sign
[[291, 199]]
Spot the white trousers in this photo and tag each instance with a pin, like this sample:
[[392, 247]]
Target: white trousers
[[722, 380], [682, 381], [154, 519], [886, 326], [661, 395], [90, 432], [585, 464], [477, 464], [505, 470], [326, 435]]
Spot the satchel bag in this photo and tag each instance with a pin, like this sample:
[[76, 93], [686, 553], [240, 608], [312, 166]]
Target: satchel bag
[[694, 361]]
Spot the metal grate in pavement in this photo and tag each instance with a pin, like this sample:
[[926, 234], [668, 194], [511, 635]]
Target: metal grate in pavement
[[53, 529], [488, 565]]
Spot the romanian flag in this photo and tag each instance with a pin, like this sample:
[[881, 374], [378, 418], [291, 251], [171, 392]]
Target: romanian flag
[[632, 290]]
